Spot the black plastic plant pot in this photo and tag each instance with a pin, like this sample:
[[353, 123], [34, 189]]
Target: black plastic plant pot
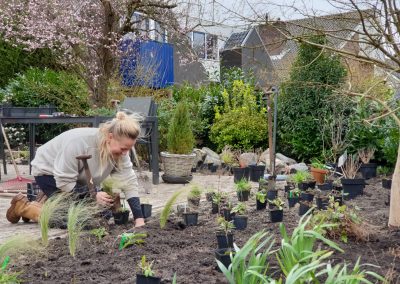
[[303, 208], [223, 255], [213, 168], [338, 199], [190, 218], [387, 183], [214, 208], [272, 194], [227, 214], [337, 187], [209, 196], [260, 205], [325, 186], [142, 279], [256, 172], [292, 201], [288, 188], [146, 210], [240, 173], [306, 196], [121, 218], [352, 188], [302, 185], [240, 222], [276, 216], [368, 170], [322, 203], [224, 241], [243, 195]]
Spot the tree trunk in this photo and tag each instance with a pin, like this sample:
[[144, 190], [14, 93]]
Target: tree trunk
[[394, 212]]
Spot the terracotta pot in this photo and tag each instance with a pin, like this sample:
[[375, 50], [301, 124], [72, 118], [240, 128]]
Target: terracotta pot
[[319, 175]]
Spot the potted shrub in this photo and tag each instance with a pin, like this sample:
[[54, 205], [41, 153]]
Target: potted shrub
[[386, 179], [147, 275], [352, 187], [226, 211], [293, 197], [308, 195], [243, 188], [224, 233], [190, 218], [262, 184], [194, 196], [261, 198], [178, 160], [209, 194], [303, 179], [318, 171], [256, 172], [327, 185], [240, 173], [228, 159], [322, 201], [239, 219], [276, 213], [217, 201], [367, 169]]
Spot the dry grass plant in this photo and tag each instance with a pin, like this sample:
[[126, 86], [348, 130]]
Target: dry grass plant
[[351, 166], [366, 154]]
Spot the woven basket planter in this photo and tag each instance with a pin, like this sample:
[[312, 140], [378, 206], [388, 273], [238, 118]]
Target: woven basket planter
[[177, 165]]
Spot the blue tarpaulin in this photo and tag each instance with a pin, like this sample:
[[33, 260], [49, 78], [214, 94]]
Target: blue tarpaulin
[[147, 63]]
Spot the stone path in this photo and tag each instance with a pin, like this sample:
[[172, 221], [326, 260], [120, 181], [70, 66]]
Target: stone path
[[158, 197]]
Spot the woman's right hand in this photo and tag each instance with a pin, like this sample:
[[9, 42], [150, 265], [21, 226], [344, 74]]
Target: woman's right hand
[[104, 199]]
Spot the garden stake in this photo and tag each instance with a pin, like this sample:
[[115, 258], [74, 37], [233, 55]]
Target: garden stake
[[89, 179]]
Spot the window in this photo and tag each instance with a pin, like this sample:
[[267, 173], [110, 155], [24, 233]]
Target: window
[[198, 44], [205, 45]]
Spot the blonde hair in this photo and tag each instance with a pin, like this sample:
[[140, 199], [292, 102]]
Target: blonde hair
[[123, 125]]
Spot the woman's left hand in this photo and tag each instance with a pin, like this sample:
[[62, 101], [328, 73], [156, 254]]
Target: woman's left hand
[[139, 222]]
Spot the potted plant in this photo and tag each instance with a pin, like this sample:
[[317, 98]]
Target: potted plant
[[194, 196], [352, 187], [262, 184], [190, 218], [318, 171], [322, 201], [386, 179], [261, 198], [121, 216], [367, 169], [227, 211], [147, 274], [217, 201], [308, 195], [239, 219], [209, 194], [178, 160], [112, 187], [243, 188], [224, 234], [305, 206], [227, 158], [276, 213], [293, 197], [303, 179], [256, 172]]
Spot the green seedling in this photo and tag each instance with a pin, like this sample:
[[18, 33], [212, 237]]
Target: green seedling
[[243, 185], [8, 277], [99, 233], [167, 208], [239, 209], [145, 267], [277, 202], [129, 239]]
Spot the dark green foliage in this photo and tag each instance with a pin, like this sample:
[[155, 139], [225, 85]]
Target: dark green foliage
[[180, 135], [14, 60], [306, 99]]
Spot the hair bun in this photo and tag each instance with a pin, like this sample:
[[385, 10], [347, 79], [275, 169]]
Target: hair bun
[[120, 115]]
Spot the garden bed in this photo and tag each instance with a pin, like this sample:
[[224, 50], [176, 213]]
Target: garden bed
[[190, 251]]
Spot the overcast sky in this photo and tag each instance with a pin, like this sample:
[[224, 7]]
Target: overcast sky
[[239, 12]]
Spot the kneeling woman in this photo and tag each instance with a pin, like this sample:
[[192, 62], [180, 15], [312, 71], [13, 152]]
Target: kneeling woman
[[56, 168]]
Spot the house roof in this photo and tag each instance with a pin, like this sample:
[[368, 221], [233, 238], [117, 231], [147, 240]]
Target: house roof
[[236, 40]]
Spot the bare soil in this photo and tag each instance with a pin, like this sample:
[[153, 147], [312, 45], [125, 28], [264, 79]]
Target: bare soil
[[189, 252]]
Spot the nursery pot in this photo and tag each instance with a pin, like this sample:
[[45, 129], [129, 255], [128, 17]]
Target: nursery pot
[[307, 196], [141, 279], [303, 208], [319, 175], [260, 205], [209, 196], [368, 170], [146, 210], [227, 214], [322, 203], [306, 185], [190, 218], [214, 208], [240, 173], [256, 172], [223, 255], [276, 216], [121, 218], [338, 199], [262, 184], [288, 188], [352, 188], [325, 186], [272, 194], [387, 183], [240, 222], [224, 241], [292, 201], [243, 195]]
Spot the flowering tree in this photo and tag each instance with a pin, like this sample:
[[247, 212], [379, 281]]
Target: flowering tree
[[86, 33]]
